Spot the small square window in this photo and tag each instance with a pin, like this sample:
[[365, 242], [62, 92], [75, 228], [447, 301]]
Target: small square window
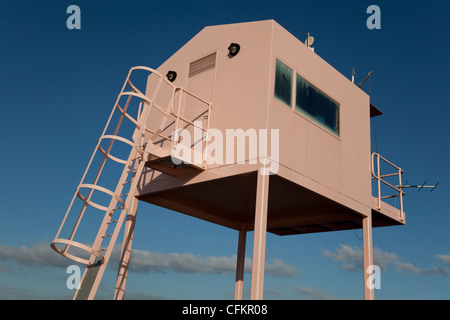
[[283, 83], [317, 106]]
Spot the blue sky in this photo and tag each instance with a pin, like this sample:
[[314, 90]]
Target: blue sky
[[58, 86]]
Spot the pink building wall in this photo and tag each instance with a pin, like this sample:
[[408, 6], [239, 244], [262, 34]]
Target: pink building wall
[[241, 89]]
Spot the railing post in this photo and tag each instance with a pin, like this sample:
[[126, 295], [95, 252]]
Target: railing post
[[367, 256], [401, 193], [380, 177], [379, 180], [206, 137], [240, 262], [259, 236]]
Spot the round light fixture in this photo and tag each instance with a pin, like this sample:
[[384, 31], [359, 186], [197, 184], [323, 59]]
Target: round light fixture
[[171, 76], [233, 49]]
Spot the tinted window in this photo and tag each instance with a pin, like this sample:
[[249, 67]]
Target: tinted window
[[316, 105], [283, 83]]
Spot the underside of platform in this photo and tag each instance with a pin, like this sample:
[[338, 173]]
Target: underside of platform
[[292, 209]]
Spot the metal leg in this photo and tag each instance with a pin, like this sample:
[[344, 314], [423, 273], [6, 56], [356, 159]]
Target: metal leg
[[259, 242], [368, 255], [126, 252], [239, 284]]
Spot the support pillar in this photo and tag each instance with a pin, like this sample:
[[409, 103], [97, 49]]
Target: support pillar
[[368, 256], [259, 241], [239, 284], [126, 251]]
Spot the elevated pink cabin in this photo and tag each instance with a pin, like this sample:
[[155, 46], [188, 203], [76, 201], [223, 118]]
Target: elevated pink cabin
[[323, 174], [273, 138]]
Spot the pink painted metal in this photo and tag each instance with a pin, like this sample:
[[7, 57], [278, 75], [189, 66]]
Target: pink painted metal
[[125, 255], [376, 174], [259, 238], [240, 264], [140, 150], [368, 256], [319, 180]]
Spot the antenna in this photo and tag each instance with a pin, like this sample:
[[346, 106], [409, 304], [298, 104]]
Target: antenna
[[368, 76], [353, 75], [309, 41], [418, 186]]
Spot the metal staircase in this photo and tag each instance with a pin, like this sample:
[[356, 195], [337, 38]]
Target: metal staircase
[[147, 144]]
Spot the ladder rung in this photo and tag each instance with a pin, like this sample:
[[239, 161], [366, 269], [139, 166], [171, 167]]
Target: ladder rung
[[102, 249], [113, 221], [107, 235], [128, 182], [118, 208], [124, 194], [132, 170]]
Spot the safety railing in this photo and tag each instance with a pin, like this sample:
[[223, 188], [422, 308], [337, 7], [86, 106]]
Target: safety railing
[[134, 105], [173, 117], [182, 122], [179, 97], [395, 171]]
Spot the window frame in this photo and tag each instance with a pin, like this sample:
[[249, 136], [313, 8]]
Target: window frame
[[305, 114], [313, 118], [292, 84]]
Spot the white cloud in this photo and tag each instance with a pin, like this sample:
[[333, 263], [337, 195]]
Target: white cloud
[[445, 258], [273, 293], [313, 294], [406, 267], [6, 269], [144, 261], [38, 255], [278, 268], [352, 260]]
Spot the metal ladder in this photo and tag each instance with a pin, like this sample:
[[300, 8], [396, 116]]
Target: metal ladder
[[95, 269], [120, 199], [122, 203]]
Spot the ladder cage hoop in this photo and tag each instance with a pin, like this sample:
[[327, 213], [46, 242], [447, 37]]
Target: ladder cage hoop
[[108, 154], [123, 111], [140, 145], [115, 197], [99, 188], [71, 243]]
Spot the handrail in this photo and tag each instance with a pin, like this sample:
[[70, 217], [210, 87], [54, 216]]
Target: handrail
[[398, 172], [169, 110], [178, 117], [137, 152]]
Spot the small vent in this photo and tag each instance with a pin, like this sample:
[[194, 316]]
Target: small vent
[[202, 64]]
